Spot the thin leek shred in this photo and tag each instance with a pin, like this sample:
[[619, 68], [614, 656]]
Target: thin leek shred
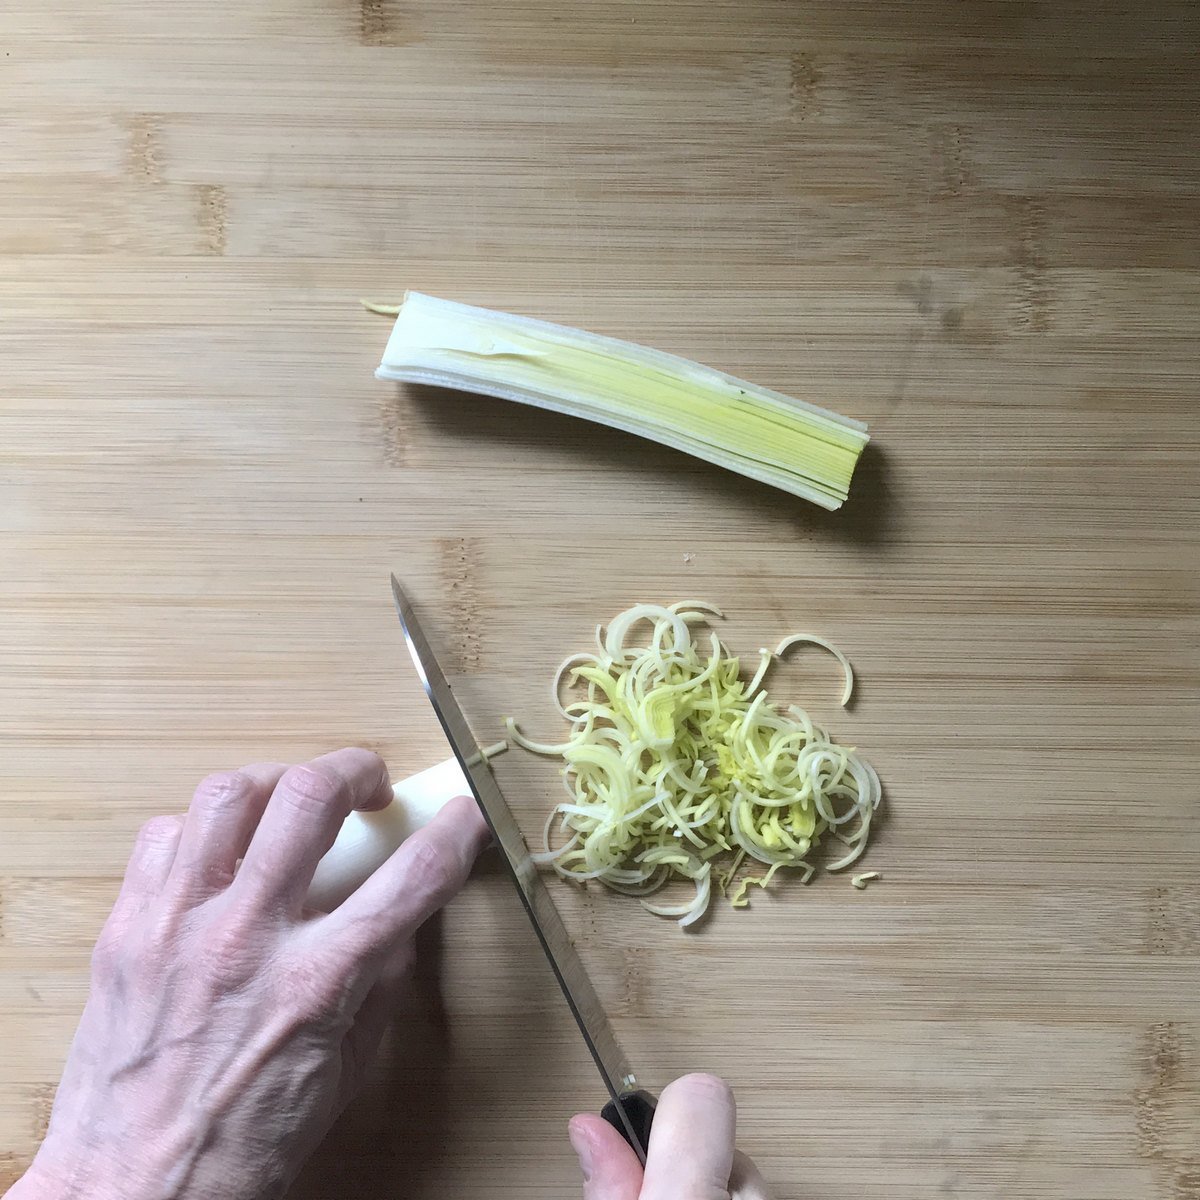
[[799, 639], [798, 447], [861, 881], [678, 769], [384, 310]]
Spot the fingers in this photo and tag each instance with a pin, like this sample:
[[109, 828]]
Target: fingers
[[302, 819], [746, 1181], [692, 1156], [361, 1042], [691, 1143], [610, 1168], [223, 816], [150, 860], [426, 872]]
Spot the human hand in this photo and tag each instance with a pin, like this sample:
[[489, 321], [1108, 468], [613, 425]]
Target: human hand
[[227, 1025], [692, 1154]]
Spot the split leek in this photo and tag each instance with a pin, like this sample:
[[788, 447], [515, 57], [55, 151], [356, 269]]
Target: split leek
[[798, 447], [673, 764]]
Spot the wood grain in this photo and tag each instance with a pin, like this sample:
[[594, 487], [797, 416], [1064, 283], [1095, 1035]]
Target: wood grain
[[974, 225]]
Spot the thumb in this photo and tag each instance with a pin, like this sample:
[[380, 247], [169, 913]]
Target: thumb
[[610, 1168]]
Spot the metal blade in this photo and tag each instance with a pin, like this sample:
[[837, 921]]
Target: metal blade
[[564, 959]]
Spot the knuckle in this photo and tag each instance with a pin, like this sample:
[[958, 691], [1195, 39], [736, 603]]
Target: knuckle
[[159, 934], [228, 952], [133, 953], [106, 953], [312, 790], [363, 941], [433, 870], [159, 832], [222, 790], [704, 1086], [310, 986]]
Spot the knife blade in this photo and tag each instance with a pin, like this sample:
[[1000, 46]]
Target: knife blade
[[630, 1110]]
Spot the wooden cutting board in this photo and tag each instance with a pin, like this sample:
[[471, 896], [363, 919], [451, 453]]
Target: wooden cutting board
[[974, 225]]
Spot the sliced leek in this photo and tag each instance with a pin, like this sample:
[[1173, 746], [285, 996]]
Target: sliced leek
[[808, 451], [674, 765], [801, 639]]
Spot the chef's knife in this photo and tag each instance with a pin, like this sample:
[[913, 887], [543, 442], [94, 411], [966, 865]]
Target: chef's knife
[[629, 1109]]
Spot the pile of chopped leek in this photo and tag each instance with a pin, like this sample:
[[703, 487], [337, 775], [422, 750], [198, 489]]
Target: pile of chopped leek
[[677, 768], [803, 449]]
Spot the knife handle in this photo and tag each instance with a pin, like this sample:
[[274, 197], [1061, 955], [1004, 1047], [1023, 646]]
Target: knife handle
[[639, 1108]]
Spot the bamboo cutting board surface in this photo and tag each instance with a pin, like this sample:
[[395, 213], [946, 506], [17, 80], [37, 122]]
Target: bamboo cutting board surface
[[974, 225]]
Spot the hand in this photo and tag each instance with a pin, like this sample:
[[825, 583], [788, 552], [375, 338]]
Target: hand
[[228, 1026], [692, 1155]]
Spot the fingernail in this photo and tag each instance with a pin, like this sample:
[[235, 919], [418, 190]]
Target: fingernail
[[582, 1145]]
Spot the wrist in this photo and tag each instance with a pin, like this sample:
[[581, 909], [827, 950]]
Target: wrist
[[59, 1174], [40, 1183]]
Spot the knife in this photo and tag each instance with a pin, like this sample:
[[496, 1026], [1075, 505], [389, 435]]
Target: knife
[[630, 1109]]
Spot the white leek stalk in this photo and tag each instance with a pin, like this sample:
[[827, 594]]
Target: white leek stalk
[[368, 839], [808, 451]]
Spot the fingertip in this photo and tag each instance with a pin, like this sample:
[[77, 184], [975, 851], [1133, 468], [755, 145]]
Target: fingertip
[[581, 1143], [703, 1087], [383, 795], [692, 1142], [365, 773], [611, 1170], [589, 1125], [461, 816]]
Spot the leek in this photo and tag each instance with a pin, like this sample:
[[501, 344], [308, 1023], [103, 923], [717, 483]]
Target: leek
[[808, 451], [673, 763]]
